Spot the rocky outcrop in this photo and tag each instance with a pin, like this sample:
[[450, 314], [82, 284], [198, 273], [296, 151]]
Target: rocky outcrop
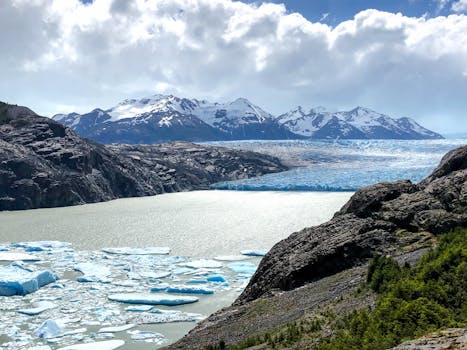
[[399, 218], [371, 222], [454, 338], [45, 164]]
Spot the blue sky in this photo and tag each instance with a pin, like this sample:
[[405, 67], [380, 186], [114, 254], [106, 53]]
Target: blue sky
[[65, 55], [341, 10]]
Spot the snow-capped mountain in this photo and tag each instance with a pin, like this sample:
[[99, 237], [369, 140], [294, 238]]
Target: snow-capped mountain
[[167, 118], [358, 123]]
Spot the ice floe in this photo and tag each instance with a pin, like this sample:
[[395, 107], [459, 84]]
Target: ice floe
[[39, 246], [204, 263], [138, 251], [69, 314], [12, 256], [103, 345], [254, 252], [152, 299], [18, 280], [116, 329], [243, 267], [186, 289], [38, 307], [231, 257], [166, 316]]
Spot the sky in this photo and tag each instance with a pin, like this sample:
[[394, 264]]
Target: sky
[[399, 57]]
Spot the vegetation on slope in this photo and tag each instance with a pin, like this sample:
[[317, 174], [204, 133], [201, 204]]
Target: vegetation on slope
[[411, 302]]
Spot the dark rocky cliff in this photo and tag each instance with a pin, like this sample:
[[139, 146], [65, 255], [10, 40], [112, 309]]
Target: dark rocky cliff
[[45, 164], [324, 264]]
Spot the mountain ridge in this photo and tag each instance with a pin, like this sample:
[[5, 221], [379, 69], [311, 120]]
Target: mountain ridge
[[161, 118]]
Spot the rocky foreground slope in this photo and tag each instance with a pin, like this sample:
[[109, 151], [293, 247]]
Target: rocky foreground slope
[[46, 164], [321, 267]]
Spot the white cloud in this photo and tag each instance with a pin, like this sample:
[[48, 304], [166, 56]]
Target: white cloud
[[459, 6], [66, 53]]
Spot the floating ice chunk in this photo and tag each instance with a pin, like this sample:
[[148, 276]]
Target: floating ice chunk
[[149, 274], [181, 270], [197, 281], [243, 267], [152, 299], [166, 316], [49, 329], [231, 257], [38, 307], [102, 345], [184, 289], [92, 272], [147, 336], [138, 251], [160, 287], [18, 280], [40, 347], [216, 278], [253, 252], [138, 308], [203, 264], [116, 329], [41, 245], [11, 256]]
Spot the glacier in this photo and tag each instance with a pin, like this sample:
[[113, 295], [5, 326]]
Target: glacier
[[341, 165]]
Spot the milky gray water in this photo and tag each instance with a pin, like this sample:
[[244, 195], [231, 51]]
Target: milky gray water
[[202, 224], [199, 223]]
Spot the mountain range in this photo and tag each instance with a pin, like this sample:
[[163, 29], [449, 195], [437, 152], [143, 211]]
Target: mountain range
[[160, 118]]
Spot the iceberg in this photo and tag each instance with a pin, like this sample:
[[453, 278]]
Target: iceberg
[[152, 299], [103, 345], [92, 272], [231, 257], [49, 329], [183, 289], [38, 307], [197, 281], [40, 246], [116, 329], [138, 308], [147, 336], [137, 251], [18, 280], [203, 264], [167, 316], [252, 252], [243, 267], [216, 278], [12, 256]]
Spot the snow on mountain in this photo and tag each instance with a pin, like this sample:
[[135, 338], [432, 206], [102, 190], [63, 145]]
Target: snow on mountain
[[166, 117], [357, 123]]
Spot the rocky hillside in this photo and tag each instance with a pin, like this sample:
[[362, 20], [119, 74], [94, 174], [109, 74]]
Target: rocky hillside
[[46, 164], [315, 272]]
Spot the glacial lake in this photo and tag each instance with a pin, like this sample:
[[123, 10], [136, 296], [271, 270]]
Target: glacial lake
[[195, 225]]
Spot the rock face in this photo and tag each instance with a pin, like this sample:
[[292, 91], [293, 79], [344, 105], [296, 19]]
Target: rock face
[[397, 218], [45, 164], [365, 225]]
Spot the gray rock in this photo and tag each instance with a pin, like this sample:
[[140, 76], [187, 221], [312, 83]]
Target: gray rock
[[45, 164]]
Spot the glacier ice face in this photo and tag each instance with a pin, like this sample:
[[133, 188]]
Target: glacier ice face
[[152, 299], [342, 165]]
